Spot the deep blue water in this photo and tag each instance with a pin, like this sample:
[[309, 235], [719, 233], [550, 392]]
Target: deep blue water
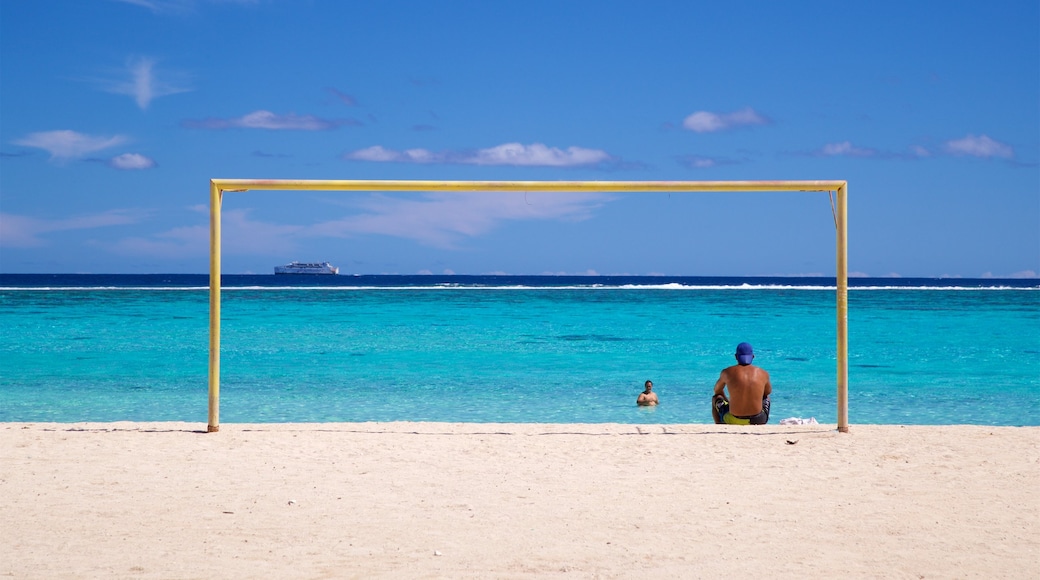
[[511, 348], [421, 281]]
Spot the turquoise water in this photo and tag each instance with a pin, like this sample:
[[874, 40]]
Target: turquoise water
[[509, 354]]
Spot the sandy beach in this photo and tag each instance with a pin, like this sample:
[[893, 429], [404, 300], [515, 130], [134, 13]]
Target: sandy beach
[[437, 500]]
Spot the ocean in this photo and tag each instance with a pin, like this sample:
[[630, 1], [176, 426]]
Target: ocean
[[519, 349]]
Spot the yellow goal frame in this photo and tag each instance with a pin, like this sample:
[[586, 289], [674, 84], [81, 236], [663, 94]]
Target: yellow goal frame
[[217, 187]]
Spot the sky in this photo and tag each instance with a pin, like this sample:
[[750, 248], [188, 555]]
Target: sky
[[115, 114]]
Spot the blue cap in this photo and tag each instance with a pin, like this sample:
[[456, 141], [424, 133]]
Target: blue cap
[[745, 354]]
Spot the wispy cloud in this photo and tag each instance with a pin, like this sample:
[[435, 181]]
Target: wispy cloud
[[698, 162], [981, 146], [535, 155], [159, 6], [179, 6], [130, 161], [344, 98], [1022, 275], [141, 81], [67, 144], [268, 120], [267, 155], [920, 151], [444, 218], [708, 122], [846, 149], [438, 219], [18, 231], [240, 234], [705, 162]]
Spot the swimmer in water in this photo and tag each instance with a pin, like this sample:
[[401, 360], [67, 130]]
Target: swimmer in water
[[648, 397]]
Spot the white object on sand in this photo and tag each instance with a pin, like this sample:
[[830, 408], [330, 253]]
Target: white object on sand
[[799, 421]]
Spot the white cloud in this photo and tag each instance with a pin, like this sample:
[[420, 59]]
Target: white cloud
[[143, 83], [708, 122], [68, 144], [537, 154], [846, 149], [18, 231], [981, 146], [268, 120], [374, 153], [132, 161], [919, 151], [442, 218], [534, 155]]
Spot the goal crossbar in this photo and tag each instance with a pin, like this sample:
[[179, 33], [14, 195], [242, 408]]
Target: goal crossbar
[[217, 188]]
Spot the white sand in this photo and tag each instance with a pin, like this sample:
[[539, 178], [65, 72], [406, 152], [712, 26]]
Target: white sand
[[434, 500]]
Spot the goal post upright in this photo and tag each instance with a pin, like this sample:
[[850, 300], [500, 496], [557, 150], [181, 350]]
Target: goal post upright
[[841, 216], [219, 186], [215, 194]]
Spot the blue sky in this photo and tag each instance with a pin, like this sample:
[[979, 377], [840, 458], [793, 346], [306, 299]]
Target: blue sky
[[115, 114]]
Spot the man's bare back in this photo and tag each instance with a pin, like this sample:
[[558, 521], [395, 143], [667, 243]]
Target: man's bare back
[[748, 385], [749, 389]]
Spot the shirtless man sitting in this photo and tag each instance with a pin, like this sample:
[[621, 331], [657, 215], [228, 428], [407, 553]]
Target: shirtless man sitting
[[749, 390], [647, 398]]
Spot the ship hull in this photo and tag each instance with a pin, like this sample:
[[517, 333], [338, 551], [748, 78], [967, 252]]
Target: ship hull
[[307, 269]]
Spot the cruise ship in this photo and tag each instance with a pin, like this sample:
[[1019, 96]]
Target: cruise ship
[[307, 268]]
